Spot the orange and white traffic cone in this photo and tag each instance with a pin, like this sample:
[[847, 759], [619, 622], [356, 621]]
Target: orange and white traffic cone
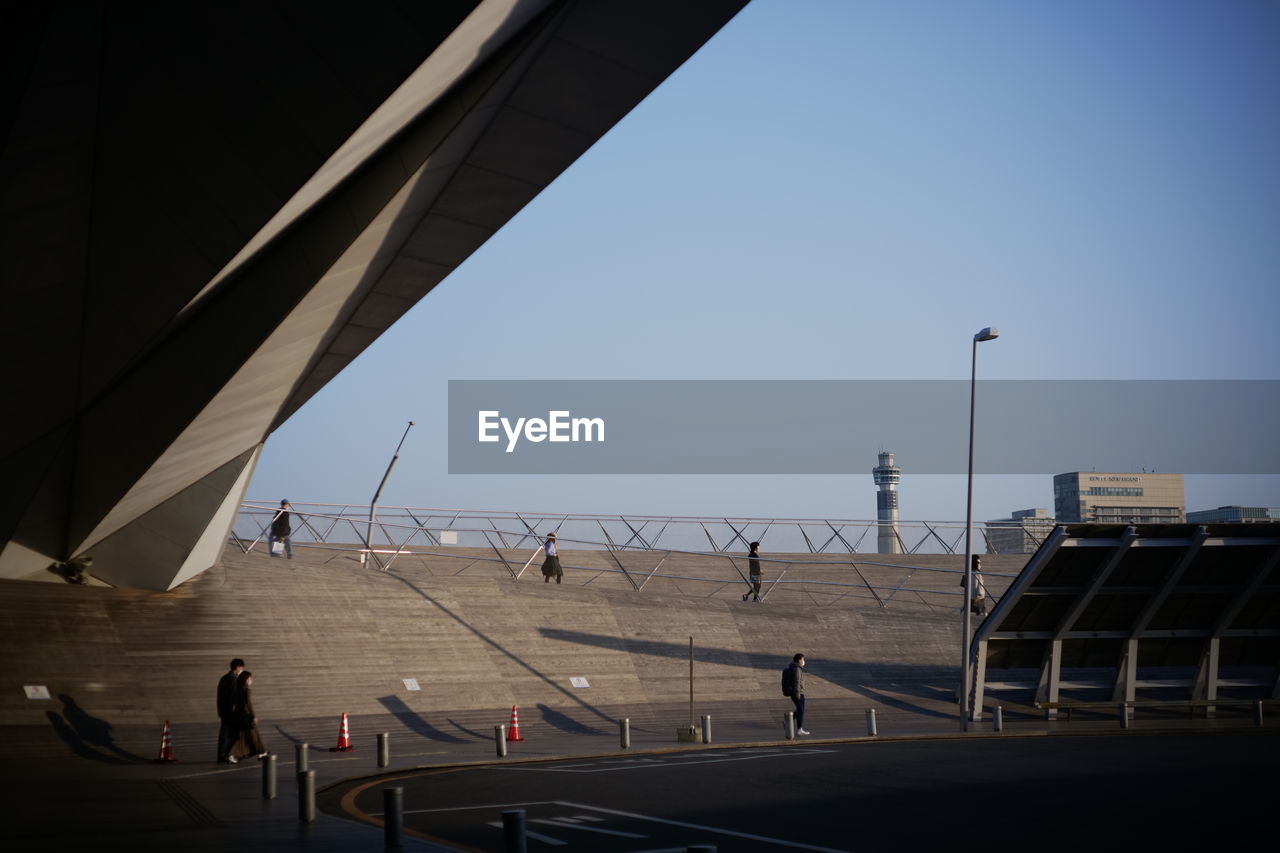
[[344, 737], [166, 746], [513, 730]]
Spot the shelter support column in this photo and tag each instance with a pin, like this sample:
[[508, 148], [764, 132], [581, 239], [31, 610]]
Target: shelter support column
[[1206, 680], [979, 680], [1050, 678], [1127, 674]]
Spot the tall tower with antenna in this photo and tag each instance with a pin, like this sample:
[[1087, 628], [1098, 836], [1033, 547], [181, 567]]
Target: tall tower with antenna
[[887, 476]]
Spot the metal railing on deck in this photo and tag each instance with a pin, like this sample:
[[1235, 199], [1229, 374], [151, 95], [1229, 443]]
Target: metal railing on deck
[[501, 538]]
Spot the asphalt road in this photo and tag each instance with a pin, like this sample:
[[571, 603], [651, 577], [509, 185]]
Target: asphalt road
[[1077, 793]]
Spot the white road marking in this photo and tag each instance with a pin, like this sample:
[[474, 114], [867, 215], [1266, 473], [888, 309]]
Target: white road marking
[[486, 806], [566, 825], [795, 845], [764, 838], [536, 836]]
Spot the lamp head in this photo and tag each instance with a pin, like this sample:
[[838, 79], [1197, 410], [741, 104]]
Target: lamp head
[[987, 334]]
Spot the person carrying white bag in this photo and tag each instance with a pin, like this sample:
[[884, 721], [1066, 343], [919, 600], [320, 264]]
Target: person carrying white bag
[[278, 541]]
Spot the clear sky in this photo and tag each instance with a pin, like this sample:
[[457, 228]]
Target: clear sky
[[849, 189]]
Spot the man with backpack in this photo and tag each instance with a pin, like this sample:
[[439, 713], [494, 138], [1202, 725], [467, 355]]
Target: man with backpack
[[793, 688]]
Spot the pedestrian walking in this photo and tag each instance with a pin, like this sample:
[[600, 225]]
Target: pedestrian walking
[[753, 572], [280, 532], [226, 696], [979, 601], [551, 565], [247, 741], [793, 688], [978, 594]]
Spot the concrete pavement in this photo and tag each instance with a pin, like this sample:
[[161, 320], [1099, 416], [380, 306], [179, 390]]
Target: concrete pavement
[[66, 788]]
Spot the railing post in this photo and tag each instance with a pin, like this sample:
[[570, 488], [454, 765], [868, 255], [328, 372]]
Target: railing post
[[789, 725], [393, 816], [307, 796], [871, 722], [500, 740], [513, 831], [269, 777], [384, 749], [624, 732]]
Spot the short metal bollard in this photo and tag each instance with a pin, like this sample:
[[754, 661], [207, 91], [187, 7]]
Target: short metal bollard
[[1124, 715], [997, 719], [384, 749], [624, 732], [706, 728], [500, 740], [789, 725], [307, 796], [269, 777], [300, 758], [871, 722], [1257, 712], [393, 817], [513, 831]]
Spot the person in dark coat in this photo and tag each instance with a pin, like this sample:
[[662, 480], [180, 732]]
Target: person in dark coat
[[794, 690], [280, 530], [551, 565], [226, 692], [753, 572], [247, 741]]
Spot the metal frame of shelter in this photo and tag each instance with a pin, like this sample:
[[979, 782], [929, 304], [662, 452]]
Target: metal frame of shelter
[[1171, 610]]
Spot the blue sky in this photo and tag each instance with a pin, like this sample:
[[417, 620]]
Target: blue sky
[[849, 189]]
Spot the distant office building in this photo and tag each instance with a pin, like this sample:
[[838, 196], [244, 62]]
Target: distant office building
[[1020, 533], [887, 476], [1108, 497], [1235, 514]]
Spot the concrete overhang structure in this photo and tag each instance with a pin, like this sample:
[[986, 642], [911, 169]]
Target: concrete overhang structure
[[209, 211]]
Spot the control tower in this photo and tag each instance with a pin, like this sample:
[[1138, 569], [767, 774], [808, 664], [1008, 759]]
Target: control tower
[[887, 476]]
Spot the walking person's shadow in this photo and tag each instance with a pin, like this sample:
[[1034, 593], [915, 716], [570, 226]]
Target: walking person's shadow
[[87, 735]]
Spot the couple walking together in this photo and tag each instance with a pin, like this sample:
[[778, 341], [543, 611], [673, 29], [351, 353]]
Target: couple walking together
[[238, 734]]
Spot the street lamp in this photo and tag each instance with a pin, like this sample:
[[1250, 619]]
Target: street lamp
[[966, 672], [373, 503]]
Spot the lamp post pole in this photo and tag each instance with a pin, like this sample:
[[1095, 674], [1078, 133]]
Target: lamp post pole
[[966, 670], [373, 504]]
